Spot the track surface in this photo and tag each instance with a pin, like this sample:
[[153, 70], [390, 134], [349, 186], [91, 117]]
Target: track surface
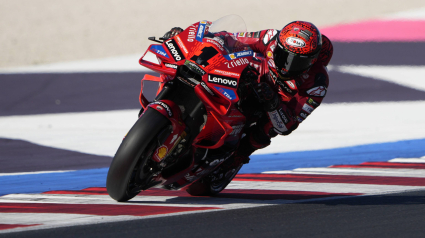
[[393, 215], [52, 175]]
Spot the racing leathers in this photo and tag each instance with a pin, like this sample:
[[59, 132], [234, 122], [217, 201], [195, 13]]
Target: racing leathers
[[298, 97]]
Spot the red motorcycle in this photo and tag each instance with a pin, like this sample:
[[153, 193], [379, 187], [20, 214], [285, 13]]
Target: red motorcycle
[[195, 123]]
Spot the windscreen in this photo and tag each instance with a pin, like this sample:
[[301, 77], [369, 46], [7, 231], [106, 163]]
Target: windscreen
[[229, 23]]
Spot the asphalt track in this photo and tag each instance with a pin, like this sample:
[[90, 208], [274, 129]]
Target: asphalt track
[[315, 209], [392, 215]]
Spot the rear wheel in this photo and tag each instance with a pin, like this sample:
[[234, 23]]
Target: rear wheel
[[129, 166]]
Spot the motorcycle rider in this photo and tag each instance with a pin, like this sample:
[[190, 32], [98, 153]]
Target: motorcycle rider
[[292, 80]]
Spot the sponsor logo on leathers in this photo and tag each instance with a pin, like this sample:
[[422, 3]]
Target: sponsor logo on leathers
[[317, 91], [313, 103], [303, 115], [277, 122], [269, 35], [308, 108], [283, 116]]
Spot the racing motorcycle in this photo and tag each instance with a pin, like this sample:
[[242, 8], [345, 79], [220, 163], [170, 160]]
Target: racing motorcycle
[[184, 136]]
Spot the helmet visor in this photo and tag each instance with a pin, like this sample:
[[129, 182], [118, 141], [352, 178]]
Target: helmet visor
[[291, 64]]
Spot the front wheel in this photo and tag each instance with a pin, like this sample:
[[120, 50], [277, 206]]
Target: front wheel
[[124, 169]]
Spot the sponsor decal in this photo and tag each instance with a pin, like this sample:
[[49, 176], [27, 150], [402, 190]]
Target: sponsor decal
[[273, 76], [173, 139], [268, 36], [291, 85], [189, 81], [219, 40], [159, 50], [222, 80], [236, 130], [313, 103], [319, 91], [299, 119], [161, 152], [173, 66], [228, 93], [309, 109], [277, 121], [257, 34], [241, 34], [305, 34], [271, 63], [214, 42], [226, 73], [194, 67], [296, 42], [305, 76], [175, 50], [249, 34], [283, 116], [303, 115], [285, 88], [269, 54], [236, 62], [165, 106], [204, 85], [191, 34], [201, 31], [240, 54], [180, 43]]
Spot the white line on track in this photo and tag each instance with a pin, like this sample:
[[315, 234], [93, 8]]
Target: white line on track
[[408, 160], [38, 172], [413, 173], [320, 187]]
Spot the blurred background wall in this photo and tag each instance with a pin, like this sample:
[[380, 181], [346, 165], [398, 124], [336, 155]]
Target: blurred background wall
[[43, 31]]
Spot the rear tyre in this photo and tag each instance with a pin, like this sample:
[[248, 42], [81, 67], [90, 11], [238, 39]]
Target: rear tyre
[[124, 167], [209, 187]]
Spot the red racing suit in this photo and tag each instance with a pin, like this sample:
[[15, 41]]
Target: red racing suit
[[299, 97]]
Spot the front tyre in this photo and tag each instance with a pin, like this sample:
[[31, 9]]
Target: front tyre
[[121, 171]]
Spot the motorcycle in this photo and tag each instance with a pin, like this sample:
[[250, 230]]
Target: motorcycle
[[183, 138]]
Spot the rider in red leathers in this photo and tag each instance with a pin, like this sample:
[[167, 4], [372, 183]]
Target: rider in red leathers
[[290, 68]]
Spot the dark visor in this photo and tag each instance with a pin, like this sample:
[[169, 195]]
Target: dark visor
[[289, 64]]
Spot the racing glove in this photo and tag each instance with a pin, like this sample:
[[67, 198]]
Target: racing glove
[[171, 33], [267, 97]]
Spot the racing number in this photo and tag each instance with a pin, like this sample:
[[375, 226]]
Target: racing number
[[207, 53]]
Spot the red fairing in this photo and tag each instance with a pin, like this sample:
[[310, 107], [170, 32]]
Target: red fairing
[[170, 110]]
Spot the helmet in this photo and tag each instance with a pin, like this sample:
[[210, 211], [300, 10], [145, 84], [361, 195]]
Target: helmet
[[298, 46]]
